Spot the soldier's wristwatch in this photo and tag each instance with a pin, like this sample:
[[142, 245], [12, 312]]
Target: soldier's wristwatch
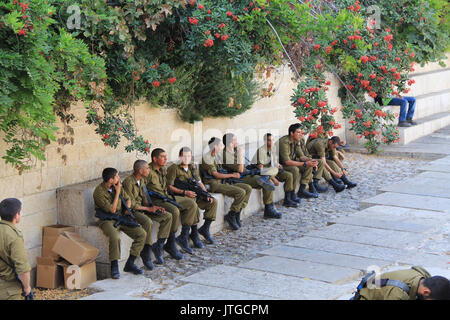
[[304, 164]]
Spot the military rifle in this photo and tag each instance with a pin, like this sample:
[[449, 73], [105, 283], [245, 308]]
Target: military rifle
[[164, 198], [192, 185]]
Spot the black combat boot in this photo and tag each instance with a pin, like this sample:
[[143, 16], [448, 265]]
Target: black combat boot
[[288, 202], [337, 180], [347, 182], [312, 189], [237, 217], [294, 197], [183, 239], [171, 248], [115, 274], [302, 193], [195, 238], [231, 219], [147, 257], [265, 183], [157, 248], [270, 212], [318, 187], [131, 267], [204, 231], [336, 186]]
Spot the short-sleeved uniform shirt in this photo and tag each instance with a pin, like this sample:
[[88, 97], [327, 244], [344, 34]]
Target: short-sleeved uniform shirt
[[157, 180], [410, 277], [134, 189], [318, 148], [104, 198], [184, 174], [12, 252], [209, 165]]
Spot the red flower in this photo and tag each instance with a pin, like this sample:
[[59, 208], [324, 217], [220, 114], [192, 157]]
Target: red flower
[[106, 136], [328, 49], [373, 76], [229, 13], [172, 80], [224, 37], [22, 32], [222, 25], [301, 100], [209, 11], [156, 83], [373, 94], [200, 6], [322, 104], [208, 43], [217, 35], [364, 59], [317, 47], [192, 20]]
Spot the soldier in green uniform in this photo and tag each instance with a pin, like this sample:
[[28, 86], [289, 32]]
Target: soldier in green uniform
[[14, 266], [325, 149], [108, 197], [411, 284], [266, 158], [146, 212], [157, 182], [295, 159], [233, 161], [240, 192], [184, 171]]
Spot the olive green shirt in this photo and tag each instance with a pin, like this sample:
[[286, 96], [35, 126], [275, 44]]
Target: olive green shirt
[[265, 157], [104, 198], [318, 148], [289, 150], [410, 277], [177, 171], [230, 161], [208, 166], [156, 180], [135, 191], [12, 252]]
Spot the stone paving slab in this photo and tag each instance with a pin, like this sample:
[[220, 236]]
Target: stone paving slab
[[382, 224], [324, 257], [351, 248], [430, 219], [372, 236], [425, 259], [193, 291], [424, 186], [440, 167], [303, 269], [434, 175], [444, 160], [274, 285], [408, 201]]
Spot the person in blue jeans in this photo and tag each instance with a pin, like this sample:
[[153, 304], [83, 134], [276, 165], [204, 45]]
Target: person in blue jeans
[[406, 112]]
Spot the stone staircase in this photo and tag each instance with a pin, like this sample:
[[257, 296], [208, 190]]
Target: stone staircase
[[432, 93]]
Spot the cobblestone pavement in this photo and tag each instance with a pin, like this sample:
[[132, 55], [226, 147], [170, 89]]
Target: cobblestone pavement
[[257, 234]]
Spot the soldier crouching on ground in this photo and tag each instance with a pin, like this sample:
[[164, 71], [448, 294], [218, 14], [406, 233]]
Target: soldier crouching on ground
[[185, 173], [334, 173], [411, 284], [14, 266], [111, 200]]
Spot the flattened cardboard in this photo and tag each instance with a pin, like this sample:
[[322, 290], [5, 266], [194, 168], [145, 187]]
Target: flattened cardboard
[[51, 234], [73, 248], [76, 277], [49, 274]]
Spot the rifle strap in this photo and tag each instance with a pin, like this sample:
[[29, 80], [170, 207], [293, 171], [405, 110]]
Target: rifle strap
[[125, 205], [147, 195]]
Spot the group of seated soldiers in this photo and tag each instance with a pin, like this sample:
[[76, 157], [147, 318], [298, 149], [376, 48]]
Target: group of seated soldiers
[[169, 195]]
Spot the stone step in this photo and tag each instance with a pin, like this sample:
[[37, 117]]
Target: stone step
[[424, 127], [430, 82]]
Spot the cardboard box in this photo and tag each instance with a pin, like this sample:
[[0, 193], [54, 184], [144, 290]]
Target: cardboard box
[[79, 277], [51, 234], [49, 273], [73, 248]]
